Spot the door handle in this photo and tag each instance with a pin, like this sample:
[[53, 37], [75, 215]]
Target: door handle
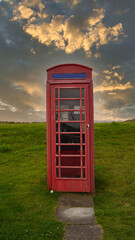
[[88, 126]]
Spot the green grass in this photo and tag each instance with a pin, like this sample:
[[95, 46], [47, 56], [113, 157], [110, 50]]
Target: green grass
[[115, 179], [27, 209]]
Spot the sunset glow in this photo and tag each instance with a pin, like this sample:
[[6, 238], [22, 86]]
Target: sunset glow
[[36, 35]]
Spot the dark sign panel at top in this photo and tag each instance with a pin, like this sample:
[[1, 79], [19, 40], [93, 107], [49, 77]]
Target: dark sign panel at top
[[68, 75]]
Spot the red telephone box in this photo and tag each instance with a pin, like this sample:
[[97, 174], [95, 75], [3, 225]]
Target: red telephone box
[[70, 134]]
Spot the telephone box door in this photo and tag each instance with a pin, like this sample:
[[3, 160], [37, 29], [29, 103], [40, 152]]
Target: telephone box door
[[70, 137]]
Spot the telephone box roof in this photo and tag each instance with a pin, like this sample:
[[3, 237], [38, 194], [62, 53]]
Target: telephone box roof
[[69, 64]]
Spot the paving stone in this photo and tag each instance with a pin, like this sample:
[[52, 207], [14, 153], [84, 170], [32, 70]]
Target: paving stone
[[83, 232], [75, 200], [77, 211], [76, 215]]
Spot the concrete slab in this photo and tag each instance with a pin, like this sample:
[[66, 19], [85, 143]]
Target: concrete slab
[[76, 215], [77, 211], [83, 232], [75, 200]]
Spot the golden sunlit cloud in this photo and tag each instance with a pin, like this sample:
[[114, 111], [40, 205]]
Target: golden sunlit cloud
[[113, 73], [46, 33], [112, 93], [32, 50], [108, 77], [98, 16], [71, 3], [95, 73], [30, 88], [63, 32], [36, 106], [107, 72], [116, 86], [120, 96], [34, 3], [115, 67], [111, 81], [97, 55], [22, 12]]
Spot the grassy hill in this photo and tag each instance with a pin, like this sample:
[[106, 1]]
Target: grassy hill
[[115, 179], [27, 209]]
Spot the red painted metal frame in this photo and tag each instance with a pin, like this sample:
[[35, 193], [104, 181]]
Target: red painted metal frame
[[82, 183], [66, 184]]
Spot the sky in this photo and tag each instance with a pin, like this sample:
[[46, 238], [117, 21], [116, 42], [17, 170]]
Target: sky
[[36, 35]]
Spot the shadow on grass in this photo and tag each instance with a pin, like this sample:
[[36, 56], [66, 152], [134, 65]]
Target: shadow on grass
[[101, 182]]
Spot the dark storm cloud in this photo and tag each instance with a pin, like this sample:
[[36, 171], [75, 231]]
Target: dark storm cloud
[[67, 33]]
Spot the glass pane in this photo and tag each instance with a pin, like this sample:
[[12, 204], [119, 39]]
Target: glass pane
[[70, 93], [70, 150], [83, 116], [56, 104], [83, 149], [82, 92], [82, 104], [57, 172], [70, 161], [83, 127], [70, 127], [69, 116], [83, 158], [83, 172], [56, 127], [56, 138], [70, 138], [70, 104], [56, 92], [57, 161], [83, 138], [57, 149], [70, 172], [56, 116]]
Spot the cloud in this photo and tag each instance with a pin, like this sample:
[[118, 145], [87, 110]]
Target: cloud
[[26, 10], [48, 33], [112, 93], [35, 3], [115, 67], [64, 32], [108, 77], [110, 87], [38, 107], [22, 12], [71, 3], [117, 75], [6, 106], [98, 15], [121, 12], [72, 35], [107, 72], [95, 73], [113, 73], [111, 80], [97, 55], [3, 12], [30, 88]]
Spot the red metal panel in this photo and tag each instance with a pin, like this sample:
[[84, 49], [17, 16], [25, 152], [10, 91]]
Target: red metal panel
[[69, 81], [49, 164], [92, 173], [71, 185]]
